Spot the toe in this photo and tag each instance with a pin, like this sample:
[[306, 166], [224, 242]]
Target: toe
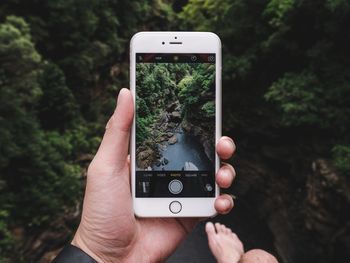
[[223, 229], [210, 229], [235, 236], [217, 227], [213, 238]]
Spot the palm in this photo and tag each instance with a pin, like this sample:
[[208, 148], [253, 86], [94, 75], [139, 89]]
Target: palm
[[115, 217]]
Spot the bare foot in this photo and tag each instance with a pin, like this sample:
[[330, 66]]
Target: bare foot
[[223, 243], [258, 256]]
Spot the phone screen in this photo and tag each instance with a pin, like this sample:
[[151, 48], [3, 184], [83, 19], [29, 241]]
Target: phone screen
[[175, 125]]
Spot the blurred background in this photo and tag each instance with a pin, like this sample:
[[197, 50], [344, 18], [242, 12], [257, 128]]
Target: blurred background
[[286, 102]]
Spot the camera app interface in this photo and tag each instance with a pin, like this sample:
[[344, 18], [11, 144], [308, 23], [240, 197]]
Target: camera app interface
[[175, 125]]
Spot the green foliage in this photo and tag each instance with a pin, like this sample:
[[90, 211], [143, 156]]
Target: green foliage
[[158, 85], [6, 240], [44, 180], [62, 63], [341, 155], [142, 133], [185, 83], [152, 82], [335, 5], [285, 65], [298, 97], [286, 75], [57, 107], [38, 177], [142, 107], [198, 11], [209, 109], [19, 89], [196, 89], [277, 10]]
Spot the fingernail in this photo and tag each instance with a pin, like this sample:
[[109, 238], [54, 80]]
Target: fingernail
[[120, 95], [108, 125], [229, 139]]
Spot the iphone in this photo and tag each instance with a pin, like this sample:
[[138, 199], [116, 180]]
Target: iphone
[[175, 79]]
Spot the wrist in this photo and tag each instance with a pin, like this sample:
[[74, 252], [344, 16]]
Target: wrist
[[73, 254], [99, 249], [79, 243]]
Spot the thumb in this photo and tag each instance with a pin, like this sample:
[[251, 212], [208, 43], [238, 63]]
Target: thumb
[[114, 147]]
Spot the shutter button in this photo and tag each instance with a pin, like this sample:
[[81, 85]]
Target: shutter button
[[175, 186]]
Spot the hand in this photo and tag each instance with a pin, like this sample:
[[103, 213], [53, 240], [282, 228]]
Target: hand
[[109, 230]]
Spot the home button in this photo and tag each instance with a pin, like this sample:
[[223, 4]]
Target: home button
[[175, 207]]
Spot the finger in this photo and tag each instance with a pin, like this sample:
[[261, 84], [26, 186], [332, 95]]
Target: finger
[[223, 204], [114, 147], [225, 147], [225, 175]]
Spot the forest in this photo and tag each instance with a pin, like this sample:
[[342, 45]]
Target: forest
[[173, 99], [286, 103]]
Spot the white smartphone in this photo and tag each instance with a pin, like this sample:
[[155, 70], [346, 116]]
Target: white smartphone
[[175, 78]]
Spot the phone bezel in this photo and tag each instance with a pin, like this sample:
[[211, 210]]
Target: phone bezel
[[192, 42]]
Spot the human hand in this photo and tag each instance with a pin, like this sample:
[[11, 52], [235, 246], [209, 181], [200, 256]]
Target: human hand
[[109, 230]]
